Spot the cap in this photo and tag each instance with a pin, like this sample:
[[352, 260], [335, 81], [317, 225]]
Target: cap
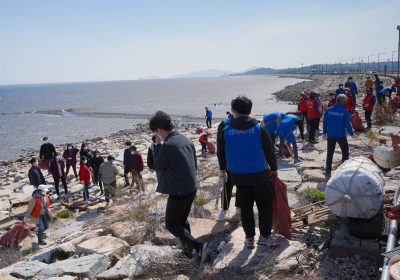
[[110, 157], [43, 188]]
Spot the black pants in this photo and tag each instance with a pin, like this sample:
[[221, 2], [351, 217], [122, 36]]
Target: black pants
[[126, 173], [304, 117], [73, 168], [262, 195], [47, 161], [227, 194], [344, 146], [57, 182], [203, 146], [353, 96], [381, 98], [208, 122], [313, 127], [273, 137], [96, 177], [176, 222], [368, 114], [319, 120]]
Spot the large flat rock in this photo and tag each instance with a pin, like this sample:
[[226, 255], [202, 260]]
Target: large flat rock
[[105, 245], [5, 204], [131, 232], [288, 174], [313, 185], [322, 158], [389, 129], [315, 175], [308, 154], [57, 252]]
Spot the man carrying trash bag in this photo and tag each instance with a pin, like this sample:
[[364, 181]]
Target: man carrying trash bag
[[246, 147]]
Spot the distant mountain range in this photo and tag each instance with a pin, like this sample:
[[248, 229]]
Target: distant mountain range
[[209, 73]]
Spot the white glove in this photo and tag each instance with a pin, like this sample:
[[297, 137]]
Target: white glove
[[366, 105], [82, 182], [223, 176], [354, 136]]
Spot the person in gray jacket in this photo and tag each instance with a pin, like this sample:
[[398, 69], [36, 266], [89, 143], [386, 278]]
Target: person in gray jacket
[[108, 172], [176, 161]]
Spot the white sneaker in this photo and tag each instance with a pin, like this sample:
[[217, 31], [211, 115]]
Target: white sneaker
[[222, 215], [269, 241]]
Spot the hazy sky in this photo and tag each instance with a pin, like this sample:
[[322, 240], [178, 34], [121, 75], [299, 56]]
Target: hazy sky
[[71, 41]]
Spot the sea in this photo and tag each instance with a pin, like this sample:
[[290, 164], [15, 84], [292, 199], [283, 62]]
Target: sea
[[73, 112]]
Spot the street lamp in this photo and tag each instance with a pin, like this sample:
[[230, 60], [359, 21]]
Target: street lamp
[[392, 61], [398, 53], [379, 66], [359, 65], [368, 62]]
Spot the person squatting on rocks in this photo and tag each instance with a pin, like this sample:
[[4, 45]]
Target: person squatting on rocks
[[332, 101], [37, 208], [314, 112], [109, 172], [368, 106], [271, 122], [150, 156], [47, 152], [57, 170], [84, 177], [97, 161], [303, 108], [203, 141], [247, 149], [70, 156], [127, 156], [35, 175], [176, 161], [208, 117], [226, 194], [350, 103], [353, 89], [285, 131], [383, 92], [136, 167], [336, 121]]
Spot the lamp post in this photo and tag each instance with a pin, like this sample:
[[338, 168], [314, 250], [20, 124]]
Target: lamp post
[[359, 65], [392, 61], [368, 62], [398, 53], [379, 66]]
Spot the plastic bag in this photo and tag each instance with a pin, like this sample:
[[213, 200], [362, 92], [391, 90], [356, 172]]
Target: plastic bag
[[15, 235], [199, 130], [281, 220], [42, 164], [371, 158], [395, 138], [356, 122], [286, 152], [211, 147], [392, 213]]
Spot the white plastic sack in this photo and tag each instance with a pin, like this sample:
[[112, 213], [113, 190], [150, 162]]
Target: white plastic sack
[[356, 189], [386, 157]]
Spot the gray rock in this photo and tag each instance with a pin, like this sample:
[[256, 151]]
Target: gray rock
[[389, 129], [63, 251], [106, 245]]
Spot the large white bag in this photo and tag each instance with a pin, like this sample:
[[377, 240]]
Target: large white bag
[[356, 189], [386, 157]]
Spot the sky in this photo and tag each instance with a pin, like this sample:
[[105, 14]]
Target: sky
[[77, 41]]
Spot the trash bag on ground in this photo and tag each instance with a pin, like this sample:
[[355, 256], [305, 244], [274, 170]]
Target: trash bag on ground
[[199, 130], [42, 164], [286, 152], [395, 138], [211, 147], [356, 122], [281, 220], [371, 158], [15, 235], [386, 157], [392, 213]]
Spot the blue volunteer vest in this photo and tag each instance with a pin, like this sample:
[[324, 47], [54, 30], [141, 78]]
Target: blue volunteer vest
[[270, 121], [244, 151], [340, 91], [352, 87], [209, 114], [385, 90], [287, 126]]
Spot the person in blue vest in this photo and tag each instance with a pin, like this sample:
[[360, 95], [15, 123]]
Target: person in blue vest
[[336, 121], [377, 83], [340, 90], [208, 117], [353, 88], [246, 147], [226, 194], [271, 122], [285, 131], [385, 91]]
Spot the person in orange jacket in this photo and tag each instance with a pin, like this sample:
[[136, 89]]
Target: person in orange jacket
[[203, 141], [303, 108], [332, 101], [350, 103], [368, 105]]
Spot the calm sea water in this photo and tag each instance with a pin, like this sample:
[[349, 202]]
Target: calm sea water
[[73, 112]]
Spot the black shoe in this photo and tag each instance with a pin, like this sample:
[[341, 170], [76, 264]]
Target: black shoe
[[42, 242]]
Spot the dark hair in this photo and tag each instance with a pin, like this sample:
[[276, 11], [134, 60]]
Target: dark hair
[[128, 143], [368, 78], [242, 105], [81, 162], [110, 157], [228, 113], [133, 148], [161, 120], [70, 144], [350, 78], [154, 138], [83, 146], [96, 152], [340, 84], [32, 160], [44, 138]]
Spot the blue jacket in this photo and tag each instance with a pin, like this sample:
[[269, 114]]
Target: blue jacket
[[127, 156], [226, 122], [339, 91], [385, 90], [208, 113], [336, 120], [270, 121], [287, 126], [377, 80]]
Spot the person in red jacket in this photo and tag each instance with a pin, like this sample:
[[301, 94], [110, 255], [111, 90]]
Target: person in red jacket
[[203, 141], [314, 112], [70, 156], [84, 177], [303, 107], [57, 170], [332, 101], [136, 167], [368, 105], [350, 103]]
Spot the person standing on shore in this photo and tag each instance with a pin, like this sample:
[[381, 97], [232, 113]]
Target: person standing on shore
[[84, 177], [109, 172], [70, 156], [303, 108], [313, 114], [377, 84], [177, 163], [136, 167], [127, 156], [203, 141], [47, 152], [336, 121], [97, 161], [349, 103], [209, 117], [321, 108], [150, 157], [369, 83], [368, 106], [87, 153], [332, 101], [271, 122], [340, 90], [353, 89], [285, 131], [226, 194], [381, 94], [35, 175], [246, 147], [57, 170]]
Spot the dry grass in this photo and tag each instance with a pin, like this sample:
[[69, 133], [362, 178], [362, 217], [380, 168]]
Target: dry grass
[[9, 256], [383, 114]]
